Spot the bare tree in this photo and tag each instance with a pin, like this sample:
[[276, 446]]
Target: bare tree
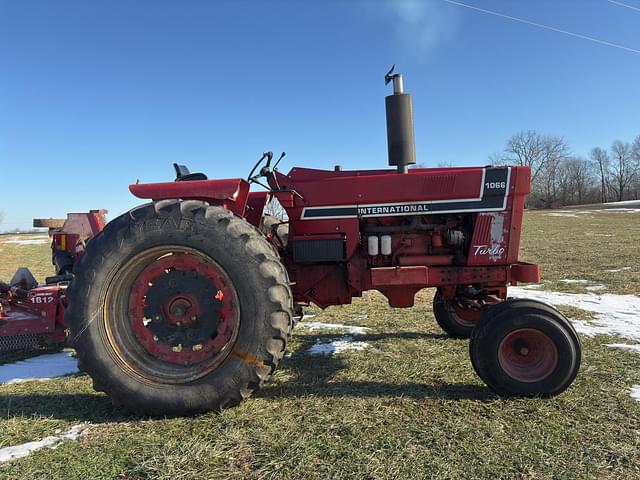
[[275, 209], [534, 150], [557, 178], [635, 149], [635, 154], [496, 159], [600, 159], [543, 154], [623, 170], [547, 183], [575, 180]]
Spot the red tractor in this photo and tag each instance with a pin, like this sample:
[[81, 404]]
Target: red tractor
[[185, 304]]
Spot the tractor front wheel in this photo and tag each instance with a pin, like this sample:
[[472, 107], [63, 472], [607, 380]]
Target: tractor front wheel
[[178, 307], [525, 348], [455, 319]]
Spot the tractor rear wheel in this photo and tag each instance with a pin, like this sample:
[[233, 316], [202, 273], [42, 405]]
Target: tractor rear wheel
[[178, 307], [525, 348], [454, 319]]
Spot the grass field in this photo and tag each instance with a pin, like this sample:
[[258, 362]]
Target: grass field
[[407, 406]]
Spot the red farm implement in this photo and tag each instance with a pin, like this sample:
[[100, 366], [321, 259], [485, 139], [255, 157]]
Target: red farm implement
[[185, 303], [32, 314]]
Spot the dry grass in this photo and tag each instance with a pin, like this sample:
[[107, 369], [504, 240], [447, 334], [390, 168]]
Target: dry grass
[[13, 255], [411, 408], [584, 247]]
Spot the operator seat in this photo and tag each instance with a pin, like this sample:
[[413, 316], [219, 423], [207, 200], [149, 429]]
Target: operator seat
[[184, 175]]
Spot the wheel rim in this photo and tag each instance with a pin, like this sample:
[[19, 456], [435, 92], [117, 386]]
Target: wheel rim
[[528, 355], [171, 314], [466, 317]]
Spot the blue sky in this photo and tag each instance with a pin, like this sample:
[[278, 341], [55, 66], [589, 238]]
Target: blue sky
[[97, 94]]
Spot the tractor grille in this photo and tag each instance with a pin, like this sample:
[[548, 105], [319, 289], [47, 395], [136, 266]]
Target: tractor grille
[[19, 343], [309, 251]]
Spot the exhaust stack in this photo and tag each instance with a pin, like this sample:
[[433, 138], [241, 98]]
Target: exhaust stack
[[400, 138]]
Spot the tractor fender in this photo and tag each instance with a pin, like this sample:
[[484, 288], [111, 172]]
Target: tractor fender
[[231, 193]]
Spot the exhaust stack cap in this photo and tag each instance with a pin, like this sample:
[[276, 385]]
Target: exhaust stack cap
[[400, 137]]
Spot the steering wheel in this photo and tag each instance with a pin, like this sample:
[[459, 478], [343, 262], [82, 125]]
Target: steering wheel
[[264, 170]]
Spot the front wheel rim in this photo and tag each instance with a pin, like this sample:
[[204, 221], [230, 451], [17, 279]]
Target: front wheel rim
[[465, 317], [528, 355]]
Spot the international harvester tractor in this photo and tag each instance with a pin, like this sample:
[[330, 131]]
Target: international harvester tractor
[[185, 303]]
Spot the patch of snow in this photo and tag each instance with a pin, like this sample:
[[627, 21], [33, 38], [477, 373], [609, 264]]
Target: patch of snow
[[588, 329], [578, 213], [622, 269], [624, 202], [30, 237], [591, 234], [614, 314], [30, 241], [635, 392], [626, 346], [622, 210], [19, 451], [571, 280], [595, 288], [569, 213], [339, 345], [307, 316], [352, 329], [533, 285], [562, 214], [40, 368]]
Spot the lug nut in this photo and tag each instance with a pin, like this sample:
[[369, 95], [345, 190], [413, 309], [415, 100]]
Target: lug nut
[[155, 339], [177, 348], [197, 347]]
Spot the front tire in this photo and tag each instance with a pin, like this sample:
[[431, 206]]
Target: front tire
[[178, 307], [525, 348], [456, 321]]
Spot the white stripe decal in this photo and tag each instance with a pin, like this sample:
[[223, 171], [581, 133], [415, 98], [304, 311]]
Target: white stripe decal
[[406, 207]]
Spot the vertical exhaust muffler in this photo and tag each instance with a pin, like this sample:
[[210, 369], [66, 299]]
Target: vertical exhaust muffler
[[401, 142]]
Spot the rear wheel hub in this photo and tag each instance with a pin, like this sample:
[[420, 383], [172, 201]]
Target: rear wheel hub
[[181, 309]]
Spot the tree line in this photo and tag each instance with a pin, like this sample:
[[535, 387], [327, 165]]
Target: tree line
[[559, 177]]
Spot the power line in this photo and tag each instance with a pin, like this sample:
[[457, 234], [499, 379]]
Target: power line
[[624, 5], [546, 27]]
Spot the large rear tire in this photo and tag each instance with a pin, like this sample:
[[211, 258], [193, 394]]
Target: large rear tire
[[525, 348], [178, 307]]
